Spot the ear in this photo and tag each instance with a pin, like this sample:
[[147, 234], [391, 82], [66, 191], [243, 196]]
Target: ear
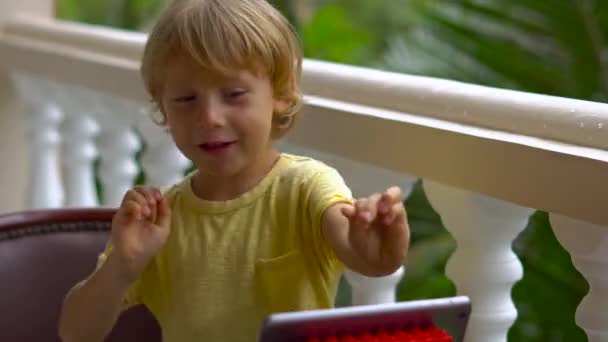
[[162, 115], [280, 106]]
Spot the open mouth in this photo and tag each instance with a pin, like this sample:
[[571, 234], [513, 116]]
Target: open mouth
[[216, 147]]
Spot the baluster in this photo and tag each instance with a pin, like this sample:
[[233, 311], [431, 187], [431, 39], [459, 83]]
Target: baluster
[[79, 149], [118, 144], [588, 246], [373, 290], [79, 154], [162, 161], [484, 266], [44, 188]]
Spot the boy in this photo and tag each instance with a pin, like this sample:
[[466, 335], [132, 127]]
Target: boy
[[252, 231]]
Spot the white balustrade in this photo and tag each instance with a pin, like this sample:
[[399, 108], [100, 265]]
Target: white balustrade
[[118, 144], [483, 266], [162, 161], [588, 246]]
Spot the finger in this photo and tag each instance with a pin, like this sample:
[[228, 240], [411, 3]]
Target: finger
[[148, 193], [369, 207], [361, 211], [356, 223], [152, 196], [157, 194], [349, 211], [163, 213], [399, 226], [372, 205], [396, 213], [139, 198], [391, 196], [132, 211]]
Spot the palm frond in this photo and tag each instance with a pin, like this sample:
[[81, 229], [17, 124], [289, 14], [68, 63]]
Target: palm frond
[[552, 47]]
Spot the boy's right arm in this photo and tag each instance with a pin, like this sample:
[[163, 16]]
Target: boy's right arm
[[139, 230], [92, 307]]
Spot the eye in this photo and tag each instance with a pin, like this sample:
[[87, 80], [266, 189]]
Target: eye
[[185, 99], [234, 94]]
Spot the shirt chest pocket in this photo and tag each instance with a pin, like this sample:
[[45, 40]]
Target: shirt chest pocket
[[283, 283]]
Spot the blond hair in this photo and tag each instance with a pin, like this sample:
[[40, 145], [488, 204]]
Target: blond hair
[[224, 35]]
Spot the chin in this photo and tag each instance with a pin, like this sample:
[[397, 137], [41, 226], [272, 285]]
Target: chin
[[223, 170]]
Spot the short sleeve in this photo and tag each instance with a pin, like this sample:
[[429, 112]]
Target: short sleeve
[[326, 188]]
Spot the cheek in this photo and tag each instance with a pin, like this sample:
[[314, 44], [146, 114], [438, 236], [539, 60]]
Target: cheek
[[253, 117], [177, 119], [263, 121], [175, 134], [176, 128]]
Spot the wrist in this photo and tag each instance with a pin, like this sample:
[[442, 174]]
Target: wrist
[[116, 268]]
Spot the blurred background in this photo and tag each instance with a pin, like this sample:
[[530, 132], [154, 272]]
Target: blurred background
[[556, 47]]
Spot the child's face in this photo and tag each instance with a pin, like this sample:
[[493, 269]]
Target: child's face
[[223, 124]]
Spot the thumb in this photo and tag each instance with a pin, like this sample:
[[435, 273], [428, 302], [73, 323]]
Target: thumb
[[130, 212], [348, 210]]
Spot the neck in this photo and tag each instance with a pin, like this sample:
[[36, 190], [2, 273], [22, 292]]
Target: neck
[[213, 188]]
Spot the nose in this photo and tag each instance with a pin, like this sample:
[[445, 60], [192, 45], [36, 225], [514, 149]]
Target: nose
[[211, 113]]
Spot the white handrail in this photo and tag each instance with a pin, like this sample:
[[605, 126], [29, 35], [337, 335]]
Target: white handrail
[[575, 122]]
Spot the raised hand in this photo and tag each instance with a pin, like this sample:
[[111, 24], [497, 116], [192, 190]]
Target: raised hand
[[379, 232], [140, 228]]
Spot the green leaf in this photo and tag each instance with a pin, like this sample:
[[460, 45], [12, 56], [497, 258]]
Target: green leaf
[[546, 47], [332, 36], [125, 14]]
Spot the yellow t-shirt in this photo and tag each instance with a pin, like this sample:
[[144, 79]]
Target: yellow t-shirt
[[227, 265]]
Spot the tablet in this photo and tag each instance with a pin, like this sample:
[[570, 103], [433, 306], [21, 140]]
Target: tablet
[[446, 317]]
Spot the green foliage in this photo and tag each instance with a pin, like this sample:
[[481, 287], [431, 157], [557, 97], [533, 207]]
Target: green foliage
[[125, 14], [376, 20], [289, 11], [333, 36], [551, 290], [547, 47]]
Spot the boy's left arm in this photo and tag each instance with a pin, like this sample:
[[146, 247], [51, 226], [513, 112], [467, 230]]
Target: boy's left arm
[[370, 237]]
